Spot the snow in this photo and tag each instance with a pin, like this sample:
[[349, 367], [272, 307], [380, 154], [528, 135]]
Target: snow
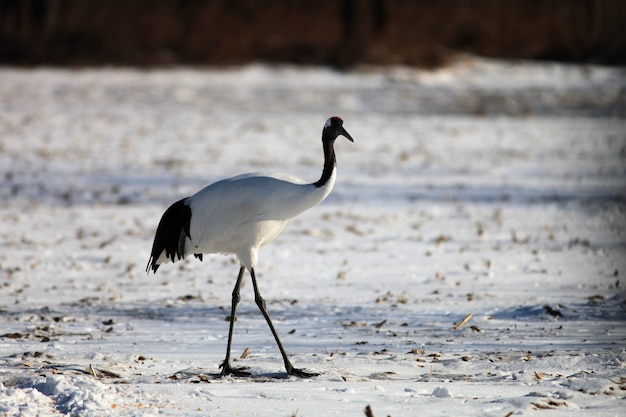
[[487, 188]]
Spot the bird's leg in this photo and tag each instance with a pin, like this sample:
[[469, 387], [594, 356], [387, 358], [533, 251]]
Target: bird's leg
[[226, 368], [260, 302]]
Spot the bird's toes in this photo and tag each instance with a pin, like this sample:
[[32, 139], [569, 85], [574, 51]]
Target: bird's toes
[[301, 373], [229, 370]]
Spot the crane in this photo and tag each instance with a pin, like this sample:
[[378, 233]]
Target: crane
[[238, 216]]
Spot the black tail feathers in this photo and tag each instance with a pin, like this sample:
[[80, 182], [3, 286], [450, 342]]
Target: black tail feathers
[[171, 234]]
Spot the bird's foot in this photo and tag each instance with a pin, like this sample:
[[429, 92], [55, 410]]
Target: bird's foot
[[229, 370], [301, 373]]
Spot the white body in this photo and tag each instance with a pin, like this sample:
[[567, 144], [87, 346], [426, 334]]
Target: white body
[[240, 214]]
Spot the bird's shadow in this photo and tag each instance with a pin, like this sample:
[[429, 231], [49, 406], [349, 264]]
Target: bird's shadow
[[198, 375]]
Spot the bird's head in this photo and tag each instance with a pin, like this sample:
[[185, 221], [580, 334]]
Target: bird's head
[[333, 128]]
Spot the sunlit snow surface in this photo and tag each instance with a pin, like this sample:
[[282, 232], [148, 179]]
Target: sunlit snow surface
[[491, 188]]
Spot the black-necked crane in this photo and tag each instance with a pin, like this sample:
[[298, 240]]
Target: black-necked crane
[[237, 216]]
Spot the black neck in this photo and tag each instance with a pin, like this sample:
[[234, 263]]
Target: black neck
[[329, 162]]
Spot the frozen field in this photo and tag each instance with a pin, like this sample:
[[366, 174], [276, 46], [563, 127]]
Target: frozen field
[[486, 188]]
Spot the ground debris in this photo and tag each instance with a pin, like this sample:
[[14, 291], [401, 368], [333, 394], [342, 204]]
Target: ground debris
[[381, 324], [464, 321], [353, 324], [190, 297], [15, 335], [596, 299], [553, 311], [549, 404]]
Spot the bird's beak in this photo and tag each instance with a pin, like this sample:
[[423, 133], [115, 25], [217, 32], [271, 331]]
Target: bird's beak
[[343, 132]]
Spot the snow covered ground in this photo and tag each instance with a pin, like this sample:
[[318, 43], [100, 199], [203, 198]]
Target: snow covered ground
[[487, 188]]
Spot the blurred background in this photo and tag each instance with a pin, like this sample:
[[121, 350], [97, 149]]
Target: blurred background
[[339, 33]]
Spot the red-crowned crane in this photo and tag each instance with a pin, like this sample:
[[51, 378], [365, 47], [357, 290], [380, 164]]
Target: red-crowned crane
[[238, 215]]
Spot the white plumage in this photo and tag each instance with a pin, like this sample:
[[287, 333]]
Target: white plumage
[[238, 215]]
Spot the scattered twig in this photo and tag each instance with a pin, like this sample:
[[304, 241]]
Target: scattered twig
[[381, 324], [464, 321], [110, 374], [98, 373], [245, 353]]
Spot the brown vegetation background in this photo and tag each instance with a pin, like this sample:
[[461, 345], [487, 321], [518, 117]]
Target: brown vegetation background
[[328, 32]]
